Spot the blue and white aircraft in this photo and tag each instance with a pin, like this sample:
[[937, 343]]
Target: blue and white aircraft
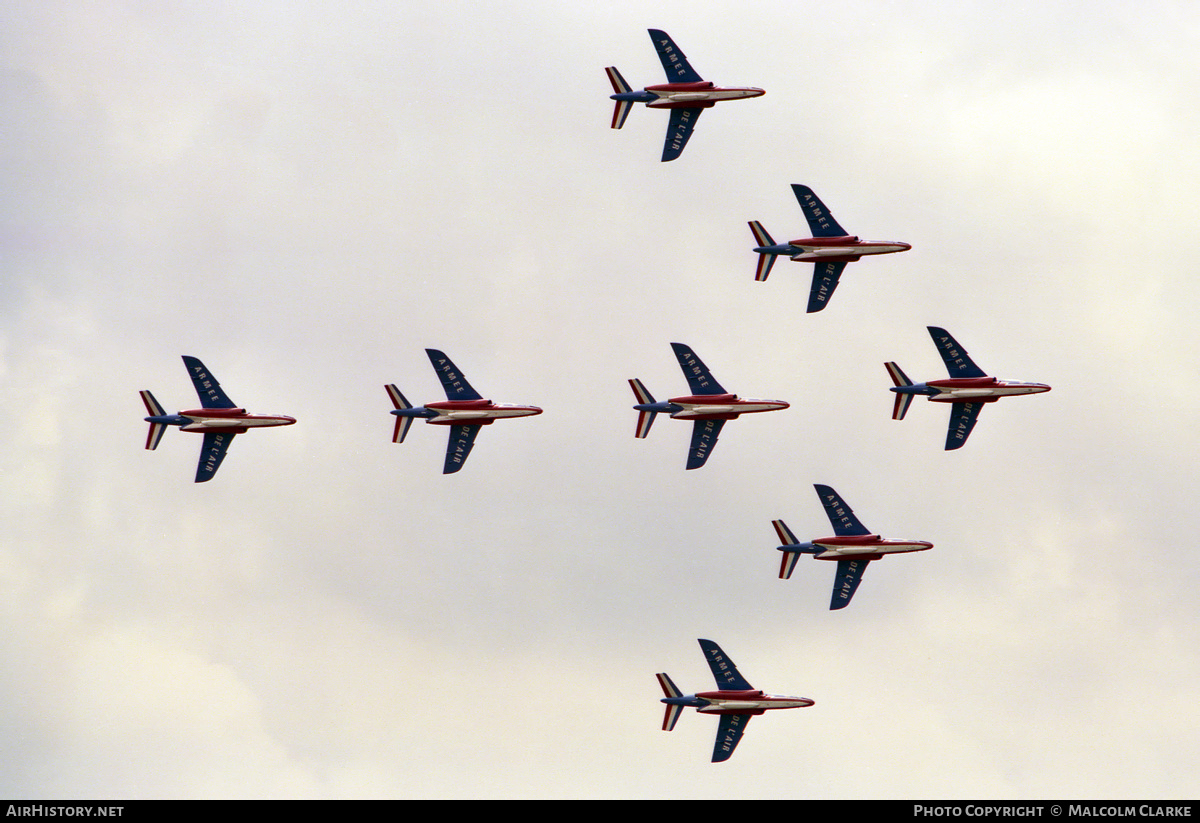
[[853, 547], [218, 419], [686, 95], [967, 389], [464, 410], [709, 405], [735, 701], [830, 248]]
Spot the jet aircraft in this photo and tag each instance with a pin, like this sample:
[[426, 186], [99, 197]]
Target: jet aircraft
[[709, 406], [735, 701], [685, 94], [830, 248], [853, 547], [967, 389], [218, 419], [464, 410]]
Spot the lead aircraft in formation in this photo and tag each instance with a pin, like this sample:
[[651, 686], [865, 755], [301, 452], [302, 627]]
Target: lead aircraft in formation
[[709, 406], [967, 389], [464, 410], [218, 419], [831, 247], [685, 93], [852, 546], [735, 701]]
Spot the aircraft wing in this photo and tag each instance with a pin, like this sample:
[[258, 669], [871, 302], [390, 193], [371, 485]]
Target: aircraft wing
[[825, 280], [729, 734], [963, 417], [674, 62], [724, 672], [820, 221], [462, 438], [953, 355], [212, 396], [456, 386], [699, 378], [679, 130], [841, 516], [704, 437], [211, 455], [849, 575]]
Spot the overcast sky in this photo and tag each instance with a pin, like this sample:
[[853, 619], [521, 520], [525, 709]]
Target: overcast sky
[[305, 196]]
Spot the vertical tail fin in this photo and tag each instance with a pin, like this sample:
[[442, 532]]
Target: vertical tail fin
[[156, 429], [671, 716], [645, 418], [903, 399], [402, 423], [765, 261]]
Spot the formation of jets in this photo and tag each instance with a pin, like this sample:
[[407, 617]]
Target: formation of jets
[[708, 406]]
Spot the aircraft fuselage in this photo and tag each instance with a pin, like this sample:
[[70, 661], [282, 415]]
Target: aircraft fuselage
[[233, 421], [690, 95], [732, 701], [720, 406], [866, 546], [752, 702], [971, 389], [840, 249], [467, 412]]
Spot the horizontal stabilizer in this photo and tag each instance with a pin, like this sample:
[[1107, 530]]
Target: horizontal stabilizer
[[639, 391], [785, 534], [668, 686], [618, 82], [620, 112], [899, 378], [645, 418], [644, 422], [399, 401], [153, 406], [788, 564], [765, 261], [401, 429], [155, 434], [900, 407]]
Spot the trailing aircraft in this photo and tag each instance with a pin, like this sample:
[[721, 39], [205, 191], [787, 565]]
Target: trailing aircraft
[[853, 547], [709, 406], [735, 701], [967, 389], [831, 247], [464, 410], [218, 419], [685, 94]]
